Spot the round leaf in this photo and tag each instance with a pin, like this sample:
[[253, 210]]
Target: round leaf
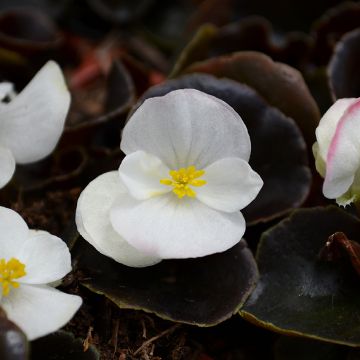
[[298, 292], [281, 85], [343, 68], [201, 291]]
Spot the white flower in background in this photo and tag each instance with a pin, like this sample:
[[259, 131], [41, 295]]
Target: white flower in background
[[30, 261], [32, 122], [337, 151], [179, 189]]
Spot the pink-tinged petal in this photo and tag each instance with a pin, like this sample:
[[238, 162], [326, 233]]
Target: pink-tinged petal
[[343, 158], [187, 127], [328, 123], [173, 228]]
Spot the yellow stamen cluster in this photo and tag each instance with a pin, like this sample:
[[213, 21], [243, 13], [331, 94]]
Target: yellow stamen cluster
[[10, 270], [182, 179]]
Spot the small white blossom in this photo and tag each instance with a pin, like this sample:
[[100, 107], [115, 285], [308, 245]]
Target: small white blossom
[[33, 121], [30, 262], [179, 189], [337, 151]]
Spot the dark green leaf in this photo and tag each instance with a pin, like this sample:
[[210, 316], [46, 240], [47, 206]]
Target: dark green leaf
[[305, 349], [299, 293], [202, 291]]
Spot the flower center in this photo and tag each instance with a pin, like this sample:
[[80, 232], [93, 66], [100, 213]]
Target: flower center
[[182, 179], [10, 270]]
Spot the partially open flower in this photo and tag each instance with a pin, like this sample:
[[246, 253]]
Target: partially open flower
[[337, 151], [32, 122], [30, 262], [179, 190]]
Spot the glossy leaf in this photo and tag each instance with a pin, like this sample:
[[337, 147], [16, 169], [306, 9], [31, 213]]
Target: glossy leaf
[[201, 291], [62, 346], [281, 85], [283, 168], [299, 293]]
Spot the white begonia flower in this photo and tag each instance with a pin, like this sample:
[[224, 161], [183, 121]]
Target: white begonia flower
[[337, 151], [30, 262], [33, 121], [179, 189]]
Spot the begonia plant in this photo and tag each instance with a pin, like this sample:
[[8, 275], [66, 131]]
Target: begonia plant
[[337, 151], [180, 187], [32, 121], [31, 263]]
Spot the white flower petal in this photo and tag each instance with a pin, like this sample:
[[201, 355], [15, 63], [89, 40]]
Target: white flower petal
[[343, 160], [93, 221], [32, 123], [7, 166], [186, 127], [13, 233], [328, 123], [231, 185], [6, 89], [47, 258], [141, 173], [39, 310], [169, 227]]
